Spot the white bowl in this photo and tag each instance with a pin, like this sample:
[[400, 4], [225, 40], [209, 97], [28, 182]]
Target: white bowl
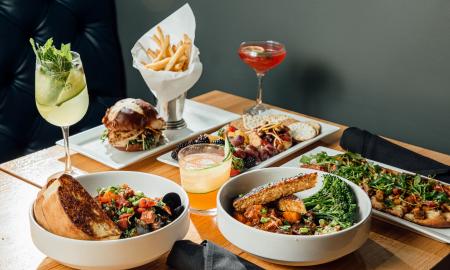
[[122, 253], [296, 250]]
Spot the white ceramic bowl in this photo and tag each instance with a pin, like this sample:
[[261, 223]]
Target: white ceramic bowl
[[122, 253], [289, 249]]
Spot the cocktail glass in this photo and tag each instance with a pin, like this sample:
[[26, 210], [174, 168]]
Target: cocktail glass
[[261, 56], [62, 99], [204, 168]]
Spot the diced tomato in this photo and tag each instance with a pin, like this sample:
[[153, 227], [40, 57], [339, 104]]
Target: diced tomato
[[146, 203], [107, 197], [234, 172], [126, 215], [121, 201], [231, 128], [123, 223], [140, 210]]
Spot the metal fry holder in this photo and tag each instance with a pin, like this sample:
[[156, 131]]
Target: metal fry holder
[[172, 112]]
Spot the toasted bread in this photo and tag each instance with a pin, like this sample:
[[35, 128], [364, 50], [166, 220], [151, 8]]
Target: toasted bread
[[302, 131], [275, 190], [65, 208]]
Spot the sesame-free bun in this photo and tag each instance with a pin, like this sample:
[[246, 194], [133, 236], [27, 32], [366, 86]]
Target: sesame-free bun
[[132, 114]]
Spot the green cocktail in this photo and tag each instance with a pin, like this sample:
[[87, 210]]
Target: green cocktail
[[60, 88]]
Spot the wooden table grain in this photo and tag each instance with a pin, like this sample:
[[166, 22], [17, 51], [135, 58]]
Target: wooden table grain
[[388, 247]]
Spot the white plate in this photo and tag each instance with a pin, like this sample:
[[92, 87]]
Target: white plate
[[326, 129], [442, 235], [199, 118]]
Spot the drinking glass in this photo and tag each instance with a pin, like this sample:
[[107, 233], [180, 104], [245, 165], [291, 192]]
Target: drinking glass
[[261, 56], [62, 99], [204, 168]]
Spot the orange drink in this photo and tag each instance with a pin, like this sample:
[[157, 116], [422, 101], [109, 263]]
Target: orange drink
[[204, 168]]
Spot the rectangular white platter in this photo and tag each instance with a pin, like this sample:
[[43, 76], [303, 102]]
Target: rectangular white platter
[[199, 119], [326, 129], [442, 235]]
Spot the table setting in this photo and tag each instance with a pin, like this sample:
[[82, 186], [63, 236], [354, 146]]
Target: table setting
[[216, 181]]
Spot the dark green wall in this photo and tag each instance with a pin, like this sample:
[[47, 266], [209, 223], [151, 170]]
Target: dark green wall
[[380, 65]]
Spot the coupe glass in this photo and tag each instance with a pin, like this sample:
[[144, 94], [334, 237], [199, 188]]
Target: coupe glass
[[261, 56], [203, 170], [62, 99]]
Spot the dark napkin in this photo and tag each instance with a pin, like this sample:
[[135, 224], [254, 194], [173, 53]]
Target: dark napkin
[[188, 255], [376, 148]]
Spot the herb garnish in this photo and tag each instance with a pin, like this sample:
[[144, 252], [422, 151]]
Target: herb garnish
[[52, 59]]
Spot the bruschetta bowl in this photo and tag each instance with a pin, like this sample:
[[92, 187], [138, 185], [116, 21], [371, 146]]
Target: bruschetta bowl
[[96, 221]]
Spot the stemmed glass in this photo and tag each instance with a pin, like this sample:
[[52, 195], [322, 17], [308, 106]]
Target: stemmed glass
[[62, 98], [261, 56]]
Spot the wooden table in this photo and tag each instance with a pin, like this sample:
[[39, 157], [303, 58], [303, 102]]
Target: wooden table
[[388, 246]]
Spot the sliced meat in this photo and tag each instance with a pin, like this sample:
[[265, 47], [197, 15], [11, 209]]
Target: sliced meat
[[275, 190], [291, 203]]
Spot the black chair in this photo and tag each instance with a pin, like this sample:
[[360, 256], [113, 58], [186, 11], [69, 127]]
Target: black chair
[[90, 27]]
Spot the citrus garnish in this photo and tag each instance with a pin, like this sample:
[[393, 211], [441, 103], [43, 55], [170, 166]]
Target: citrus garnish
[[75, 83], [227, 149], [45, 82], [254, 49]]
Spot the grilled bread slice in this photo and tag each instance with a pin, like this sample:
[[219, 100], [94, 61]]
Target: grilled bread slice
[[275, 190], [65, 208]]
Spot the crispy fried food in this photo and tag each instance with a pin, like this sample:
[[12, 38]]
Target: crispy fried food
[[169, 57], [291, 203], [159, 65], [180, 51], [275, 190], [151, 53]]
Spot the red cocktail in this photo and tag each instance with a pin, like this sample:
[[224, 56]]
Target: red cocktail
[[261, 56]]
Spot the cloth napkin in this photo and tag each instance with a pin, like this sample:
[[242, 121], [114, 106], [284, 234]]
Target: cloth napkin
[[376, 148], [188, 255]]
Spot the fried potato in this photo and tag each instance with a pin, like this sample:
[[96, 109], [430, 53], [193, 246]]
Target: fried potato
[[180, 51], [169, 57], [156, 40], [151, 54], [159, 65]]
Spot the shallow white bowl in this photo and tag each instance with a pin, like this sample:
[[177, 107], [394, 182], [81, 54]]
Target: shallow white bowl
[[122, 253], [289, 249]]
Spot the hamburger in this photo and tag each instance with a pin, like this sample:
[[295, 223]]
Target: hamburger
[[133, 125]]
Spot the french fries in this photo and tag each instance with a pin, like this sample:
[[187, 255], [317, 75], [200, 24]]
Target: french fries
[[169, 57]]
